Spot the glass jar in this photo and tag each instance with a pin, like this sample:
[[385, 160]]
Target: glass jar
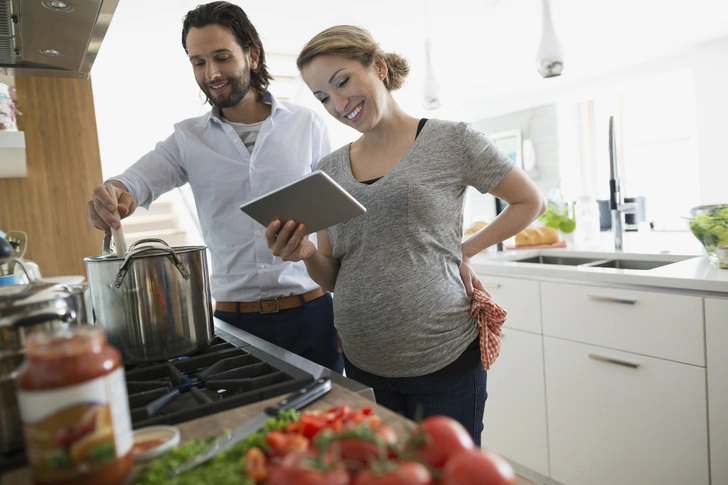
[[74, 408], [586, 213]]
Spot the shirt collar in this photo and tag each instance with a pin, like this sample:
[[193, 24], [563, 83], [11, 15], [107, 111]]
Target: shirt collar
[[268, 98]]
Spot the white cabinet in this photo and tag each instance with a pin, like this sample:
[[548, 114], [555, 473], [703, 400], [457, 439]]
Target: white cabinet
[[520, 299], [663, 325], [515, 412], [716, 342], [617, 417]]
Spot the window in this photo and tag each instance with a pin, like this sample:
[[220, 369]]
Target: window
[[657, 155]]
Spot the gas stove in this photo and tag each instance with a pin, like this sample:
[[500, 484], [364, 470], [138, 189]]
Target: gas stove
[[228, 374]]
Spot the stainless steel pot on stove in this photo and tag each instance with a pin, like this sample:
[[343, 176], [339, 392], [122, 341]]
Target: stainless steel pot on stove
[[25, 309], [155, 303]]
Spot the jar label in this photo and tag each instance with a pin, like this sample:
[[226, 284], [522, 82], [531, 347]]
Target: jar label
[[78, 429]]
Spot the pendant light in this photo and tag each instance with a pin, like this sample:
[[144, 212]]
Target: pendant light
[[549, 61], [430, 89]]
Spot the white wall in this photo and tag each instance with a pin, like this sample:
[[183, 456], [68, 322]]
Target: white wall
[[709, 64]]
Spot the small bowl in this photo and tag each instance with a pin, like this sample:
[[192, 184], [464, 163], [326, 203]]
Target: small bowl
[[709, 224], [153, 441]]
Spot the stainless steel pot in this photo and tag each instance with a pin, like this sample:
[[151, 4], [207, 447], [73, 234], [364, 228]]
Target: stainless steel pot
[[25, 309], [155, 303]]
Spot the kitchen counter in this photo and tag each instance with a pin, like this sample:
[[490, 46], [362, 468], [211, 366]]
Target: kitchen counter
[[345, 391], [218, 423], [296, 360], [693, 273]]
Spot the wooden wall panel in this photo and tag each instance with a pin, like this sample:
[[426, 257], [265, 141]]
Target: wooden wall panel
[[64, 166]]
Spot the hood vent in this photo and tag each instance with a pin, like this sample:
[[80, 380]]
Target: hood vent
[[52, 38]]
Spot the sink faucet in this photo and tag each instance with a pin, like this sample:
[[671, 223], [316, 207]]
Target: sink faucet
[[616, 202]]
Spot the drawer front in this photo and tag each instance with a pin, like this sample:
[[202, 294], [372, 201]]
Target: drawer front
[[620, 418], [656, 324], [520, 298]]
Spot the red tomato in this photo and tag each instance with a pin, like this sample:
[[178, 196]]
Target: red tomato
[[443, 436], [293, 470], [312, 424], [405, 473], [477, 467], [361, 451]]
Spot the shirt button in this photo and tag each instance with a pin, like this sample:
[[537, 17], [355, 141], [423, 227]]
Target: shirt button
[[265, 293], [237, 140], [261, 266]]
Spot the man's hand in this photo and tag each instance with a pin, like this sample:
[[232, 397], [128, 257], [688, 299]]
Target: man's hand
[[100, 208], [288, 242]]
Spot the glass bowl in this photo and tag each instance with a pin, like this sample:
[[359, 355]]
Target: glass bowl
[[709, 224]]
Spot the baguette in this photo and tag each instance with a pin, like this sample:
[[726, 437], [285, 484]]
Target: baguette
[[535, 236], [475, 227]]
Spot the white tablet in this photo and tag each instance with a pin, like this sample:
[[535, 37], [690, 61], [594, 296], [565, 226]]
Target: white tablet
[[315, 200]]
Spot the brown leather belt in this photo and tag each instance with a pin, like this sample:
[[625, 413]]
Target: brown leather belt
[[269, 305]]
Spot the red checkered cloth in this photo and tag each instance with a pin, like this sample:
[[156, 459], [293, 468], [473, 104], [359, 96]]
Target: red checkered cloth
[[490, 317]]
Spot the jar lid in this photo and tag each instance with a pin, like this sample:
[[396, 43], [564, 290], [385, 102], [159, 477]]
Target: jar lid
[[153, 441]]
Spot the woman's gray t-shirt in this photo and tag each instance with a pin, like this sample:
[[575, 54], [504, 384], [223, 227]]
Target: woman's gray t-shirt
[[400, 306]]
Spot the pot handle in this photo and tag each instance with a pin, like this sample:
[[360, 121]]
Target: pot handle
[[131, 254], [146, 240], [44, 315]]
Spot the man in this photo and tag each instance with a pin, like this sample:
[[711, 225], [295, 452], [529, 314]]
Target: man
[[249, 144]]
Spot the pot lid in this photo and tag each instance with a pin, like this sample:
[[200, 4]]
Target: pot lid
[[16, 299]]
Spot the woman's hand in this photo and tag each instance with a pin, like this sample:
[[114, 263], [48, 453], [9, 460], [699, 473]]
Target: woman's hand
[[470, 279], [289, 243]]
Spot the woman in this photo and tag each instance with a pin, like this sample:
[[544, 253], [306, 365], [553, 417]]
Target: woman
[[400, 271]]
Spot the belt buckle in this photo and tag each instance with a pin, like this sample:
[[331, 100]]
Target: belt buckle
[[260, 302]]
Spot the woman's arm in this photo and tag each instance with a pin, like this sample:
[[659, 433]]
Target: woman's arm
[[292, 245], [525, 204]]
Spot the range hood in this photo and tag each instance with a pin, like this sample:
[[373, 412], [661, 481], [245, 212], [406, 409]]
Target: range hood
[[52, 38]]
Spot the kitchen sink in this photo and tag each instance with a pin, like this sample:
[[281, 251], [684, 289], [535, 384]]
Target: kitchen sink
[[562, 260], [630, 264]]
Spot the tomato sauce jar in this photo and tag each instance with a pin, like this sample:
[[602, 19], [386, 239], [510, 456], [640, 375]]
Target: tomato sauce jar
[[74, 408]]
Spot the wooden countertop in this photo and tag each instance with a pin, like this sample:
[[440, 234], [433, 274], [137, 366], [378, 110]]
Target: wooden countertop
[[217, 423]]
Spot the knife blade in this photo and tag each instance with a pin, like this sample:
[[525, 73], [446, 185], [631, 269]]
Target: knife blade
[[297, 401]]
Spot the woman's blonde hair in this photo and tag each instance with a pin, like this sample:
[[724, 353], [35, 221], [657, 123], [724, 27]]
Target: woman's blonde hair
[[356, 44]]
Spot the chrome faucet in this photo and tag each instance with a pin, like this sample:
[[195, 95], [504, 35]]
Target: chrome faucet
[[616, 202]]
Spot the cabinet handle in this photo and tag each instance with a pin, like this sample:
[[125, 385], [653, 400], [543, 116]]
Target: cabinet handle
[[609, 360], [609, 299], [495, 286]]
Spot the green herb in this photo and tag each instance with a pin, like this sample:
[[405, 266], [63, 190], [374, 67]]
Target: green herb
[[227, 468], [557, 217]]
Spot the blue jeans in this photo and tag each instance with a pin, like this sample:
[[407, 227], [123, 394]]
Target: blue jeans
[[462, 397], [307, 330]]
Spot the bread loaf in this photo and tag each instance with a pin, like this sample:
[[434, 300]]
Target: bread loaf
[[534, 236], [475, 227]]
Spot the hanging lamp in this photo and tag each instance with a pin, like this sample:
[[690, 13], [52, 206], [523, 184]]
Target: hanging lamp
[[431, 89], [549, 61]]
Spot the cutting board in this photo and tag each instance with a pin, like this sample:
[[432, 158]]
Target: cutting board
[[218, 423]]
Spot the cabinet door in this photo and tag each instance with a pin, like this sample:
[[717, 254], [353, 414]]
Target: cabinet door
[[520, 298], [515, 412], [716, 340], [610, 422]]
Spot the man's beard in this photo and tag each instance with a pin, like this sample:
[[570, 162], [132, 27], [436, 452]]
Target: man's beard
[[239, 87]]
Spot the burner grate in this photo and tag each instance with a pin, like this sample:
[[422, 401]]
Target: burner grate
[[228, 374]]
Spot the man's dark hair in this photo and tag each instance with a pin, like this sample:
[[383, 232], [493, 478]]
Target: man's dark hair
[[233, 18]]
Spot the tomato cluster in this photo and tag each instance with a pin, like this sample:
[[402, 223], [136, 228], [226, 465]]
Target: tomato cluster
[[342, 446]]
